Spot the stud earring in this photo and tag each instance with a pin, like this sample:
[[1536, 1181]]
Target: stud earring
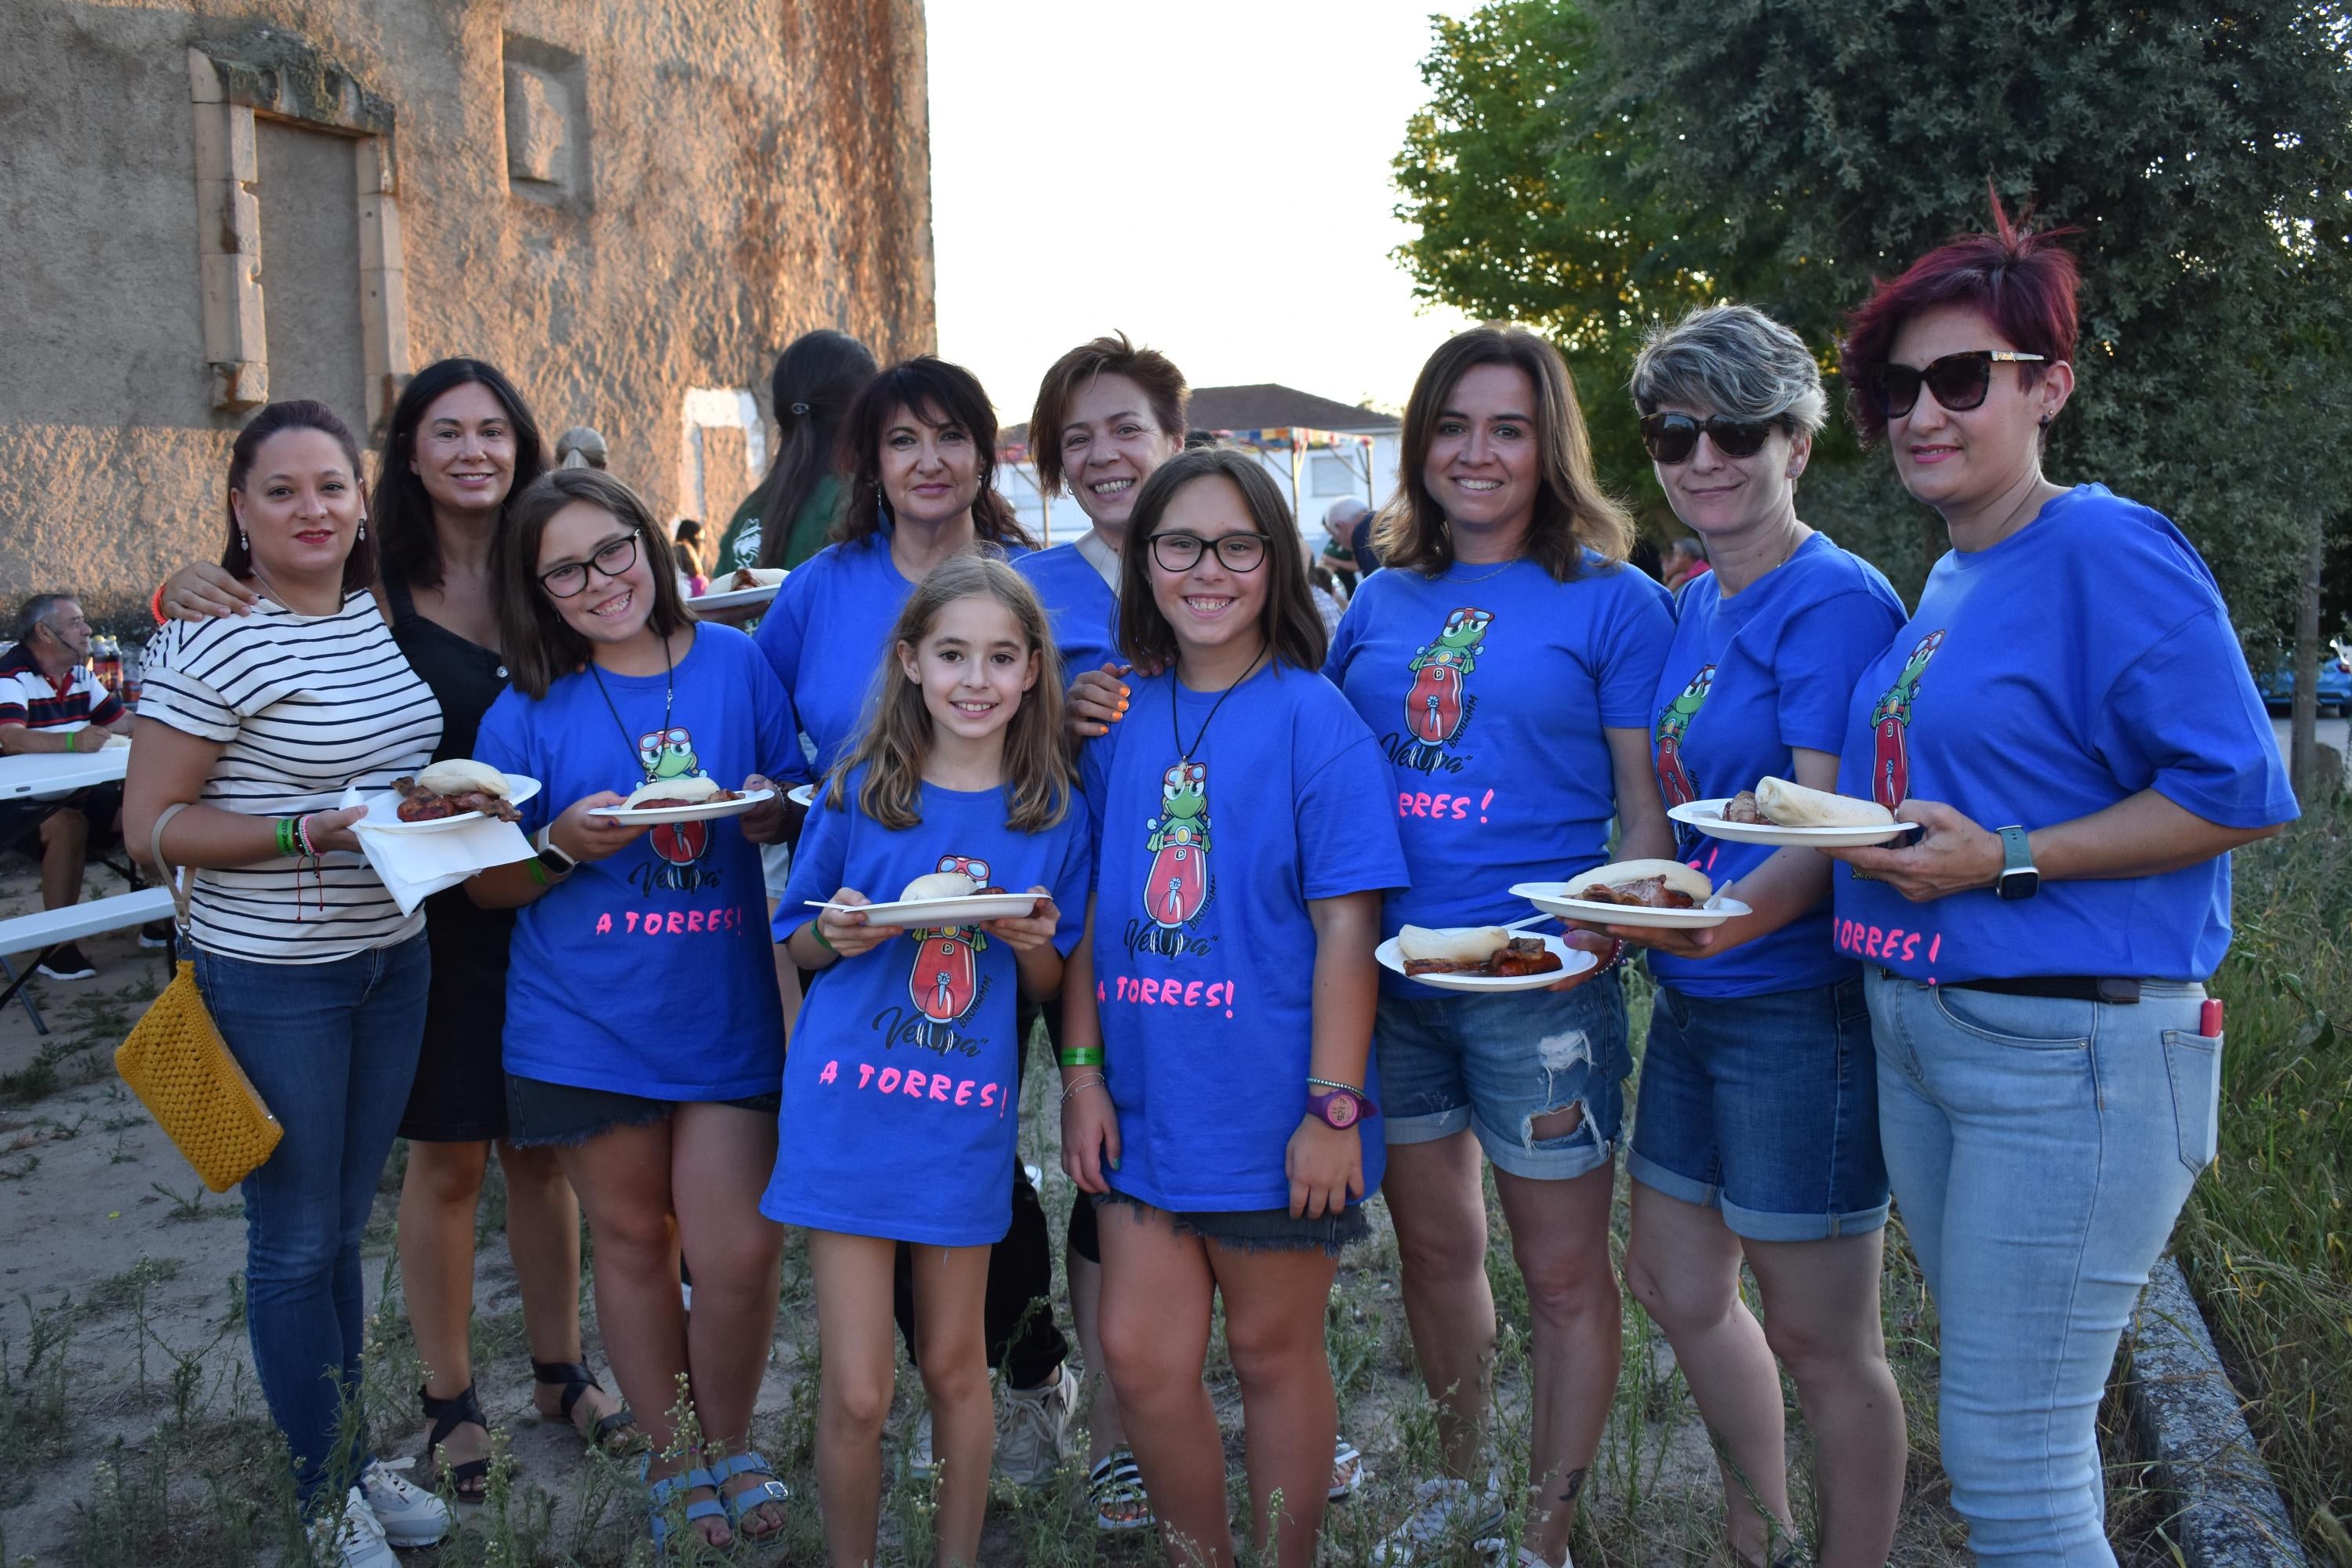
[[2045, 422]]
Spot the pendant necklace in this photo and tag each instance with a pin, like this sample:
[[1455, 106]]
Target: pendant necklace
[[669, 695], [1175, 691]]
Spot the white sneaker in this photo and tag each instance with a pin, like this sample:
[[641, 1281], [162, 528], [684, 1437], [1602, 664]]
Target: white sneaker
[[353, 1535], [1033, 1429], [918, 1457], [1529, 1557], [1444, 1512], [407, 1515]]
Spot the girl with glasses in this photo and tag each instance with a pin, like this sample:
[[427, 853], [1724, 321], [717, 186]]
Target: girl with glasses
[[643, 1041], [1756, 1140], [2068, 718], [1506, 660], [1216, 1078]]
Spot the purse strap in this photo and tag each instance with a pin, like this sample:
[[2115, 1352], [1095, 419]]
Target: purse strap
[[179, 880]]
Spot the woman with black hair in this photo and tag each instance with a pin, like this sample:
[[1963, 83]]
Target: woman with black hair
[[815, 380], [460, 444]]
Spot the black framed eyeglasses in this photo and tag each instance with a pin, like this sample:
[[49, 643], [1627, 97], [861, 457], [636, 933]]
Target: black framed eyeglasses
[[1959, 381], [1236, 552], [1671, 439], [569, 580]]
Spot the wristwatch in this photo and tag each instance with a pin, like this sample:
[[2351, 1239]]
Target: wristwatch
[[2018, 878], [1338, 1105], [557, 862]]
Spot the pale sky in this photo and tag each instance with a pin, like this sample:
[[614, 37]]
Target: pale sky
[[1212, 178]]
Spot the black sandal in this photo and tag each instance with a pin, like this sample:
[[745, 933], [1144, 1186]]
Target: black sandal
[[469, 1478], [578, 1380]]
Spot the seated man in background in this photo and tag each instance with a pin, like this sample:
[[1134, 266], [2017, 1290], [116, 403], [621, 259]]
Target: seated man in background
[[51, 701]]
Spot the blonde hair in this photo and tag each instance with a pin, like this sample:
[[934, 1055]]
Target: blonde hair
[[895, 738]]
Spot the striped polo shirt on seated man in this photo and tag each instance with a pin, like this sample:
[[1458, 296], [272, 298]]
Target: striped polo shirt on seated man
[[30, 698]]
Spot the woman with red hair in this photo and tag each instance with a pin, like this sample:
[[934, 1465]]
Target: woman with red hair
[[2068, 721]]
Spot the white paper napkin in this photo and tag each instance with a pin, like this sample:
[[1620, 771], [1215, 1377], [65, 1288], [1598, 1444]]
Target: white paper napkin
[[414, 865]]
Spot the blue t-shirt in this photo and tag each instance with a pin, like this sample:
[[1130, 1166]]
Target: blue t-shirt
[[905, 1057], [1488, 689], [1204, 950], [1082, 607], [1750, 678], [2084, 659], [826, 636], [648, 973]]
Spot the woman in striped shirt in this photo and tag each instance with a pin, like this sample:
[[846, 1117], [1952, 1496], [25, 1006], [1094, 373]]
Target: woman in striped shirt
[[257, 724]]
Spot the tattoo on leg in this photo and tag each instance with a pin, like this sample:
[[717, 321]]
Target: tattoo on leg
[[1572, 1489]]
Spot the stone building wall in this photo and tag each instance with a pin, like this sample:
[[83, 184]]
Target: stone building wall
[[629, 205]]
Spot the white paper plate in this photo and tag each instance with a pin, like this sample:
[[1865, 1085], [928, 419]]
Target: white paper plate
[[1553, 898], [734, 598], [706, 810], [802, 794], [383, 810], [1574, 961], [1706, 815], [927, 913]]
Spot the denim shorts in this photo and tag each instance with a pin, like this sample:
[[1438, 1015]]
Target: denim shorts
[[539, 1113], [1765, 1108], [1256, 1230], [1494, 1064]]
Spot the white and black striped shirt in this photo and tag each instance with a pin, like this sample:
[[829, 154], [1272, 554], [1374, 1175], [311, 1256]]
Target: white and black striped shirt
[[305, 705]]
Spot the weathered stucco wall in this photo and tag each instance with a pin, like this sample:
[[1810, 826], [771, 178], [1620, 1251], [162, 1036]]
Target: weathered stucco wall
[[725, 175]]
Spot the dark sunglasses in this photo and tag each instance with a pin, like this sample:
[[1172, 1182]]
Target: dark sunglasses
[[1181, 552], [569, 580], [1673, 437], [1958, 381]]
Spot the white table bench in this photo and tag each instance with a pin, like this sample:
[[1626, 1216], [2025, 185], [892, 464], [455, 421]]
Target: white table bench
[[37, 933], [41, 776]]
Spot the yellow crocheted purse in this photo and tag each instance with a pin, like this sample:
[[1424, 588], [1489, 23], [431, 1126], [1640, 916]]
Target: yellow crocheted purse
[[177, 1064]]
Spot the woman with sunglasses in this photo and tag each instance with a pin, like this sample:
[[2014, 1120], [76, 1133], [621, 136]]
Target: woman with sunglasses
[[1505, 662], [2068, 718], [1756, 1140]]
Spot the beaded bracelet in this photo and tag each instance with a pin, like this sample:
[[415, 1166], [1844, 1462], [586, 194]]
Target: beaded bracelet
[[309, 851], [1088, 1082], [1080, 1056]]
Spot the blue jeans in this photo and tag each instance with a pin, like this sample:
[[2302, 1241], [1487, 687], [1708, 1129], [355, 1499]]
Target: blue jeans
[[332, 1048], [2040, 1151], [1495, 1064], [1765, 1109]]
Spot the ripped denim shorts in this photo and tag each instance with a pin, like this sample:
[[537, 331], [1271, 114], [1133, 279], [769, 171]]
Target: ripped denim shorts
[[1538, 1076]]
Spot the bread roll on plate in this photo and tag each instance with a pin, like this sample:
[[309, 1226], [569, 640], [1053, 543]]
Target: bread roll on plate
[[1786, 805], [692, 789], [462, 776], [938, 885], [1470, 944], [1652, 883]]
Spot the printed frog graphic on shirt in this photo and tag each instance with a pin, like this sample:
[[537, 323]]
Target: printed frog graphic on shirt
[[1176, 887], [669, 754], [1890, 766], [944, 982], [1439, 703], [1674, 723]]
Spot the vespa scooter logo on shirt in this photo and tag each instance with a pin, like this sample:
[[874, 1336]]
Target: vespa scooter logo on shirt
[[944, 980], [1438, 705], [1890, 763], [680, 845], [1176, 887], [1674, 723]]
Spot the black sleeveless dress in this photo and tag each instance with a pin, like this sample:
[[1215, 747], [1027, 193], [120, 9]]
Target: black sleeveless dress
[[460, 1092]]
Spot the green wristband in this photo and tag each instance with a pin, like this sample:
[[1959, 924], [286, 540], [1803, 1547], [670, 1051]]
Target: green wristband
[[537, 872], [1081, 1057], [286, 844], [817, 930]]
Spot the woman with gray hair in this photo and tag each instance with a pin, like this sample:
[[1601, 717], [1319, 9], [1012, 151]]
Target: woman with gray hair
[[1755, 1135]]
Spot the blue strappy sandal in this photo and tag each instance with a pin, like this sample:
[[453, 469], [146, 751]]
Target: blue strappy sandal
[[743, 1502], [657, 1496]]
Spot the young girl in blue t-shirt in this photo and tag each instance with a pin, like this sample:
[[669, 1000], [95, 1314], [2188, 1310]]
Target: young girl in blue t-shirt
[[643, 1037], [1218, 1018], [900, 1096]]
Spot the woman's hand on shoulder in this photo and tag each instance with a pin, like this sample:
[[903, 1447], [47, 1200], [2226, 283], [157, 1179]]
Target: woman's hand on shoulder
[[586, 838], [1097, 699], [1027, 932], [1326, 1165], [764, 823], [1091, 1135], [201, 591], [1953, 854], [845, 930]]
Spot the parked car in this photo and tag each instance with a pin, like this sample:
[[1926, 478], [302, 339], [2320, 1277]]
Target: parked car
[[2334, 680]]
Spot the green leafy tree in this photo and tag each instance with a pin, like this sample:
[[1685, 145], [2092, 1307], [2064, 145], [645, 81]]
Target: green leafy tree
[[1785, 154]]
